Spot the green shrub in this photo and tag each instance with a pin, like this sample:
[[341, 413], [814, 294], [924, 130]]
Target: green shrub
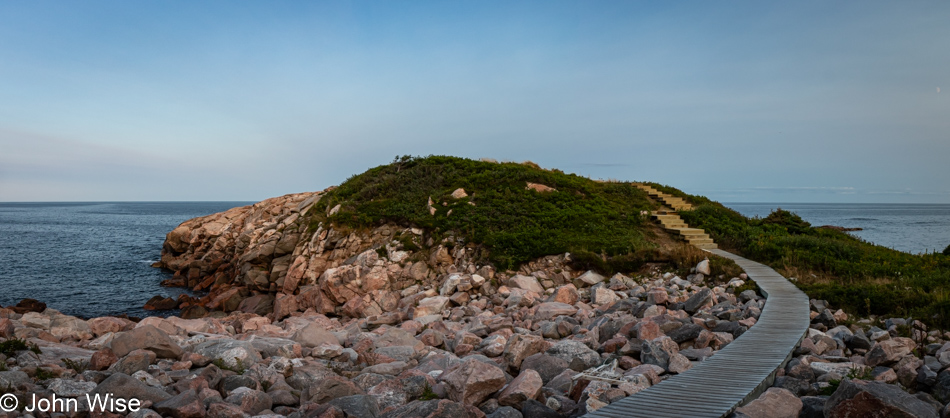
[[78, 366], [621, 263], [792, 223], [860, 277], [428, 394], [500, 213], [861, 373], [12, 346], [43, 374], [831, 388]]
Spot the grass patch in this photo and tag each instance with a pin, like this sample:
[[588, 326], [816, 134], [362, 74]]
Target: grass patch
[[860, 277], [43, 375], [10, 347], [515, 224], [79, 366], [855, 373], [428, 394]]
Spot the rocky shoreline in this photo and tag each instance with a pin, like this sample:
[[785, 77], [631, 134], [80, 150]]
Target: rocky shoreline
[[304, 320], [520, 352], [847, 367]]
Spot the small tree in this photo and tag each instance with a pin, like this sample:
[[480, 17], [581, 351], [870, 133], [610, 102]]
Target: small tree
[[946, 251], [793, 223]]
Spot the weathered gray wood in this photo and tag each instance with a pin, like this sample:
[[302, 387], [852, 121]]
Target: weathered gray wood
[[737, 373]]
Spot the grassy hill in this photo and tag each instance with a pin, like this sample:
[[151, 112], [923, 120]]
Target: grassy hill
[[500, 212], [828, 264], [602, 225]]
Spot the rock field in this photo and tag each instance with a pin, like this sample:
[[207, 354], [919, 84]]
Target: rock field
[[299, 319]]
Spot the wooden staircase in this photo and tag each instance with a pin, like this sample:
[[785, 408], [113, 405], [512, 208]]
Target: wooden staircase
[[672, 222]]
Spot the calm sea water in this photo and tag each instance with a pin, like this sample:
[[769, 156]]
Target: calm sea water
[[89, 259], [910, 228]]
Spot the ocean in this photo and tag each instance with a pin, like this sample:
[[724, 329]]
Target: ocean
[[90, 259], [94, 259], [915, 229]]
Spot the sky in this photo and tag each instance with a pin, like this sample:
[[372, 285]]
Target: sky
[[739, 101]]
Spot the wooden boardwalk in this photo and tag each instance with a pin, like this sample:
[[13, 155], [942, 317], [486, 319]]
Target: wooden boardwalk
[[737, 373]]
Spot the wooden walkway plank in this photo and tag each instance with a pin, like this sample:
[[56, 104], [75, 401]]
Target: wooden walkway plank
[[737, 373]]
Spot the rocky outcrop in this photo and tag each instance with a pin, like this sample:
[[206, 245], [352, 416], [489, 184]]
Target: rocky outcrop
[[252, 246], [276, 257], [503, 351]]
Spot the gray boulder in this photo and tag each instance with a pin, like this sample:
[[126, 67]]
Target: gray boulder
[[275, 347], [547, 366], [250, 401], [704, 268], [14, 379], [813, 407], [436, 408], [146, 337], [233, 354], [859, 341], [473, 382], [183, 405], [659, 351], [121, 385], [775, 402], [357, 406], [577, 355], [135, 361], [535, 409], [941, 386], [70, 388], [698, 300], [313, 335], [587, 279], [505, 412], [687, 332], [858, 398]]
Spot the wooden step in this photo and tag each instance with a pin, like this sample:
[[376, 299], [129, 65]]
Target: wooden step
[[672, 222], [688, 235], [677, 203]]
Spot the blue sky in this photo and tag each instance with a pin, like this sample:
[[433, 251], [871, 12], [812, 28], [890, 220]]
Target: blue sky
[[738, 101]]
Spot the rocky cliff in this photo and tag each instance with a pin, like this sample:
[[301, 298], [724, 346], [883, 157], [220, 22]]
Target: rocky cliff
[[275, 255]]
